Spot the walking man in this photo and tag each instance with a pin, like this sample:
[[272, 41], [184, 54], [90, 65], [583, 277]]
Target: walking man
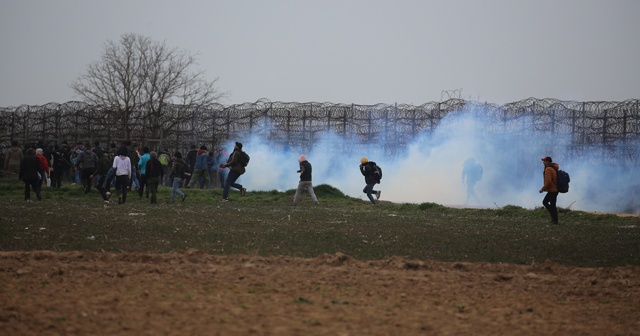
[[177, 172], [368, 170], [142, 168], [154, 174], [305, 180], [551, 187], [200, 168], [88, 161]]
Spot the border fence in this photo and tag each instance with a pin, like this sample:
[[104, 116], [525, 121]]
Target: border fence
[[611, 128]]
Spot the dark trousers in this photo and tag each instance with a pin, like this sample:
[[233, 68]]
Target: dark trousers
[[549, 203], [56, 178], [152, 186], [86, 178], [28, 185], [368, 190], [231, 182], [122, 183], [143, 183]]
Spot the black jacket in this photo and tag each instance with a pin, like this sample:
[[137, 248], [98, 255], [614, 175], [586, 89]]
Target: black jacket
[[368, 170], [178, 169], [154, 168], [305, 170], [29, 168]]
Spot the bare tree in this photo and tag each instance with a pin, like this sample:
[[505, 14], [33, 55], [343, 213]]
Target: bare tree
[[139, 80]]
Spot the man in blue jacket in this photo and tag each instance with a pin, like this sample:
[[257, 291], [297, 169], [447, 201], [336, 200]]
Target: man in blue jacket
[[200, 168]]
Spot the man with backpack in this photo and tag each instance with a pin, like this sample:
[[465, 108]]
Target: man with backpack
[[165, 160], [372, 175], [237, 162], [551, 187]]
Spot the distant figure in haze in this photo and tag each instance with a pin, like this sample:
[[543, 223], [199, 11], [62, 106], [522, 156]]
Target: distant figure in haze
[[368, 169], [236, 169], [472, 174], [305, 180], [551, 187]]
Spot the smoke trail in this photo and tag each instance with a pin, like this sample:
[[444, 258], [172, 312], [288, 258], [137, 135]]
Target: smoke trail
[[430, 168]]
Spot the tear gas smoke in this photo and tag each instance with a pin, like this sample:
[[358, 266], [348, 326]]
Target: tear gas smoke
[[429, 169]]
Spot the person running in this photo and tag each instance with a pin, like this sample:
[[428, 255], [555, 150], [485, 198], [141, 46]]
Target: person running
[[471, 174], [236, 166], [368, 170], [305, 180], [177, 173], [551, 187]]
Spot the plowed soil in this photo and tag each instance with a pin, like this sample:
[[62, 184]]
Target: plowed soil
[[194, 293]]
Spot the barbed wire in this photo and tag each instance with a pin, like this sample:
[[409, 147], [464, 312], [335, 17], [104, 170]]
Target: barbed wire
[[611, 126]]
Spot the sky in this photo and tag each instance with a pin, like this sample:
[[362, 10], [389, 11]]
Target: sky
[[339, 51]]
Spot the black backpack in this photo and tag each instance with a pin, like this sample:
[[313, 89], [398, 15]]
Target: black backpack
[[244, 159], [563, 181], [377, 171]]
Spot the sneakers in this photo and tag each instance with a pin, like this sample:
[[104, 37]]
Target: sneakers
[[184, 197], [378, 194], [243, 191], [108, 195], [27, 200], [106, 201], [224, 200]]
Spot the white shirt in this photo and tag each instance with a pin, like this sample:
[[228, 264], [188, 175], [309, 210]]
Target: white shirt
[[122, 164]]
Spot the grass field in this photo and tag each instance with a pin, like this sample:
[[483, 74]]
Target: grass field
[[267, 224]]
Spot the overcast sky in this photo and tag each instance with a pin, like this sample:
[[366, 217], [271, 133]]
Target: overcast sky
[[339, 51]]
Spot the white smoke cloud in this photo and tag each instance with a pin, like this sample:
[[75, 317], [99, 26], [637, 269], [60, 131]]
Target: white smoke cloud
[[429, 169]]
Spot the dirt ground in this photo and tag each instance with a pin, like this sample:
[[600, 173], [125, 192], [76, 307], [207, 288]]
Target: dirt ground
[[194, 293]]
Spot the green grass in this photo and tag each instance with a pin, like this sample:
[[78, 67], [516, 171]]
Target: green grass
[[266, 223]]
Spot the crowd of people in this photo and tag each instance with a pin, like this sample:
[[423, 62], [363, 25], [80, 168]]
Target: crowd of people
[[93, 166], [127, 166]]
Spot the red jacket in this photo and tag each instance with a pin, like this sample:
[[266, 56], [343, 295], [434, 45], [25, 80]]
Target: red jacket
[[43, 163]]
